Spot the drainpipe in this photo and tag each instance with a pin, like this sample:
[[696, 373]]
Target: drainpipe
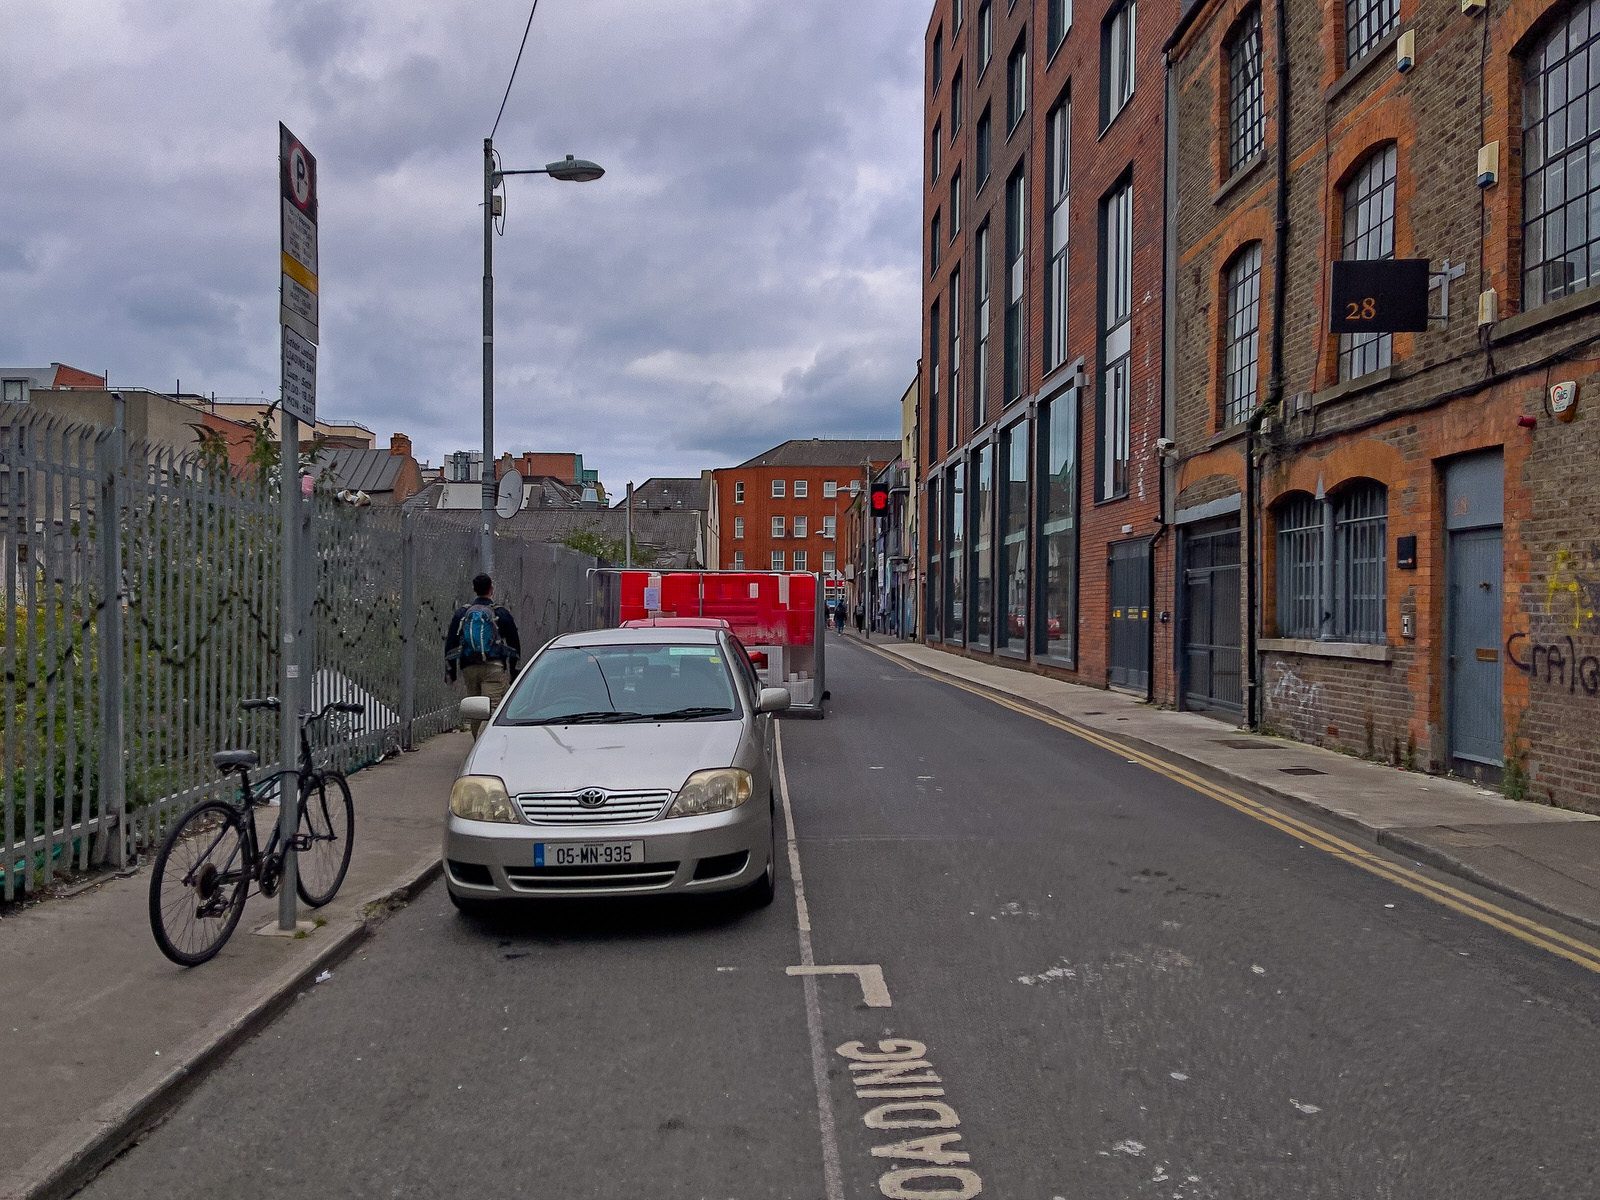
[[1274, 398], [1166, 488]]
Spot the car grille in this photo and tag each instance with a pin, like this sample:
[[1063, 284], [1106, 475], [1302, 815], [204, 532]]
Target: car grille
[[638, 877], [620, 808]]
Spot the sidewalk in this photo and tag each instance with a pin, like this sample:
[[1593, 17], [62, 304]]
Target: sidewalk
[[1546, 857], [99, 1032]]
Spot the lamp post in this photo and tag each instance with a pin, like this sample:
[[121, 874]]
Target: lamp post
[[568, 170]]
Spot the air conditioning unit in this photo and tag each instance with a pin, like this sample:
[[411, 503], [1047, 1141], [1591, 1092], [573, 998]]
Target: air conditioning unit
[[1405, 51]]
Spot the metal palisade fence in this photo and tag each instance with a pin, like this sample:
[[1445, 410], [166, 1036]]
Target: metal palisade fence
[[141, 603]]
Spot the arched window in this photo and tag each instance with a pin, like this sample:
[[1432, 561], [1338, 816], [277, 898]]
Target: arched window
[[1369, 201], [1299, 521], [1241, 334], [1360, 521], [1560, 134]]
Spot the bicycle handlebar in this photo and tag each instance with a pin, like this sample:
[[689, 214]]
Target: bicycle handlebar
[[274, 704]]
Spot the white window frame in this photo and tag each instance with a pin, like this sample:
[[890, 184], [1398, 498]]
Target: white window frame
[[738, 560], [777, 560], [778, 486], [830, 489], [800, 526], [830, 561], [802, 489], [799, 560], [830, 526], [738, 527], [777, 527], [738, 491]]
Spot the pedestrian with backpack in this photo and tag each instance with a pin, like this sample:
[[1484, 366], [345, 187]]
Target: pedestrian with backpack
[[482, 646]]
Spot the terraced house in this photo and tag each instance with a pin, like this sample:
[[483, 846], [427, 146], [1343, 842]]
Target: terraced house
[[1379, 540]]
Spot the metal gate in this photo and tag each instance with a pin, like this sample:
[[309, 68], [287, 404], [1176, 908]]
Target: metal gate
[[1129, 567], [1474, 494], [1211, 628]]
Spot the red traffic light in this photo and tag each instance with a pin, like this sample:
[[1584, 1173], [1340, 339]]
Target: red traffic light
[[880, 499]]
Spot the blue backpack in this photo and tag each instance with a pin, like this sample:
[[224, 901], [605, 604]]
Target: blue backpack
[[480, 633]]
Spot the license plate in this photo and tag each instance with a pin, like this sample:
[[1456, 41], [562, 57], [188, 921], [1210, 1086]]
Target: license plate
[[587, 854]]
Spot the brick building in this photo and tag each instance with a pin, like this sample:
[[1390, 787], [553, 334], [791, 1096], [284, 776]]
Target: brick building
[[1042, 355], [1418, 549], [782, 510]]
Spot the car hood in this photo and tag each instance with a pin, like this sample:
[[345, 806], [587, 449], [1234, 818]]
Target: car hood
[[568, 758]]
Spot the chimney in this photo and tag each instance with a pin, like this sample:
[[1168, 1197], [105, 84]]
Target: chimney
[[399, 445]]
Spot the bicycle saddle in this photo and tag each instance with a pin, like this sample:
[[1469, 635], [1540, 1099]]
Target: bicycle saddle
[[235, 759]]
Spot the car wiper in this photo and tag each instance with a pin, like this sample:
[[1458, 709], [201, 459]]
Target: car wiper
[[598, 717], [689, 714]]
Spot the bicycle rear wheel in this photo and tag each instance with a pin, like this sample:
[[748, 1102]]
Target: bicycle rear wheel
[[199, 883], [328, 826]]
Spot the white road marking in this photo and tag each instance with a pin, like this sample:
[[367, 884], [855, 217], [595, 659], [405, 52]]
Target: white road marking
[[832, 1172], [873, 989]]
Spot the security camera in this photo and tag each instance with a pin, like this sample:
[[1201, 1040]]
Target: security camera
[[1166, 446]]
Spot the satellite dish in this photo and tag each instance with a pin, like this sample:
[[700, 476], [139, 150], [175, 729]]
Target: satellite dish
[[510, 502]]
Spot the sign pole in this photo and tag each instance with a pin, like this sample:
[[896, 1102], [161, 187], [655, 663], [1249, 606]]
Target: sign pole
[[486, 503], [298, 317]]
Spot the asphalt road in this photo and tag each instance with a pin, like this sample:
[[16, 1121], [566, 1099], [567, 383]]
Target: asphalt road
[[1117, 987]]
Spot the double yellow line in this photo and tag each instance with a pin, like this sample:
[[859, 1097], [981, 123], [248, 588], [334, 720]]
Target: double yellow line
[[1520, 927]]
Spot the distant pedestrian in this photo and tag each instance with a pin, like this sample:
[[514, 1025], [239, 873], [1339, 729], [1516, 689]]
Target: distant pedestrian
[[861, 617], [839, 615], [482, 646]]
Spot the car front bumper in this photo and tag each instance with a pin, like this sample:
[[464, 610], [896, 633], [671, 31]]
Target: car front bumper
[[488, 860]]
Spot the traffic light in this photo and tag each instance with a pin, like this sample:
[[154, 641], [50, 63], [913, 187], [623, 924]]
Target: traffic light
[[880, 501]]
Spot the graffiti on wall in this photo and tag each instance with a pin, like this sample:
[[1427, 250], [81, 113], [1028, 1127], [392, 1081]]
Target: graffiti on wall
[[1572, 594], [1561, 648], [1557, 663]]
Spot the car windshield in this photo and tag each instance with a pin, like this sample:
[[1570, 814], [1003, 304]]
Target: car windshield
[[584, 685]]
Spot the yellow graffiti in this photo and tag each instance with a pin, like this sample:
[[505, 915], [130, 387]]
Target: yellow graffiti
[[1564, 582]]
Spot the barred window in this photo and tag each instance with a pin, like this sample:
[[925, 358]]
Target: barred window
[[1241, 335], [1561, 160], [1299, 521], [1369, 200], [1366, 23], [1247, 113], [1360, 519]]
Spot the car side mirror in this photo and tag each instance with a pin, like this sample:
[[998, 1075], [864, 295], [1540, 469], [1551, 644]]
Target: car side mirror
[[476, 708], [772, 700]]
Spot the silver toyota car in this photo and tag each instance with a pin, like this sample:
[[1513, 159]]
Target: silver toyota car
[[621, 761]]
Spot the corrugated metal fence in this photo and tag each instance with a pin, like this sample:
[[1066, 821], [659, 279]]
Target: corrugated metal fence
[[110, 712]]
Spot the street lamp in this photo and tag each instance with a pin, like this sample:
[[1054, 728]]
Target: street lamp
[[568, 170]]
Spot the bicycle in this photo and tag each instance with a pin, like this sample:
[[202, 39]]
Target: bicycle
[[209, 858]]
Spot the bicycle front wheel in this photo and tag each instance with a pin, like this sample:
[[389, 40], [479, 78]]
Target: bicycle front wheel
[[327, 833], [199, 883]]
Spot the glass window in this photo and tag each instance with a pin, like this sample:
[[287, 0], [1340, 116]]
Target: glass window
[[801, 524], [1561, 161], [1015, 334], [1360, 518], [1013, 630], [799, 560], [955, 542], [1058, 517], [1115, 387], [955, 203], [828, 560], [622, 682], [958, 6], [1241, 335], [13, 391], [777, 526], [777, 560], [935, 241], [738, 493], [1366, 23], [777, 489], [738, 560], [1369, 234], [935, 348], [985, 35], [980, 366], [1299, 521], [1058, 19], [830, 489], [934, 617], [1247, 112], [1058, 134], [980, 608], [738, 527], [981, 150], [936, 152], [829, 524], [1016, 84], [938, 59], [955, 345], [956, 104], [1116, 60], [801, 488]]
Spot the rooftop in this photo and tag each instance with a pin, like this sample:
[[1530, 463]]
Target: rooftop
[[826, 452]]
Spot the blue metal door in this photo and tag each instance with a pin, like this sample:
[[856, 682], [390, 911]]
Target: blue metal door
[[1475, 667]]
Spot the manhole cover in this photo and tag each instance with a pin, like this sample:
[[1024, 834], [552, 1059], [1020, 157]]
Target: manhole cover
[[1246, 744], [1301, 771]]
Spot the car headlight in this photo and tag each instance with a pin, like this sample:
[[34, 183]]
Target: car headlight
[[481, 798], [712, 791]]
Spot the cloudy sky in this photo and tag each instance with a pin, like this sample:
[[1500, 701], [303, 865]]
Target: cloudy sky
[[745, 272]]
